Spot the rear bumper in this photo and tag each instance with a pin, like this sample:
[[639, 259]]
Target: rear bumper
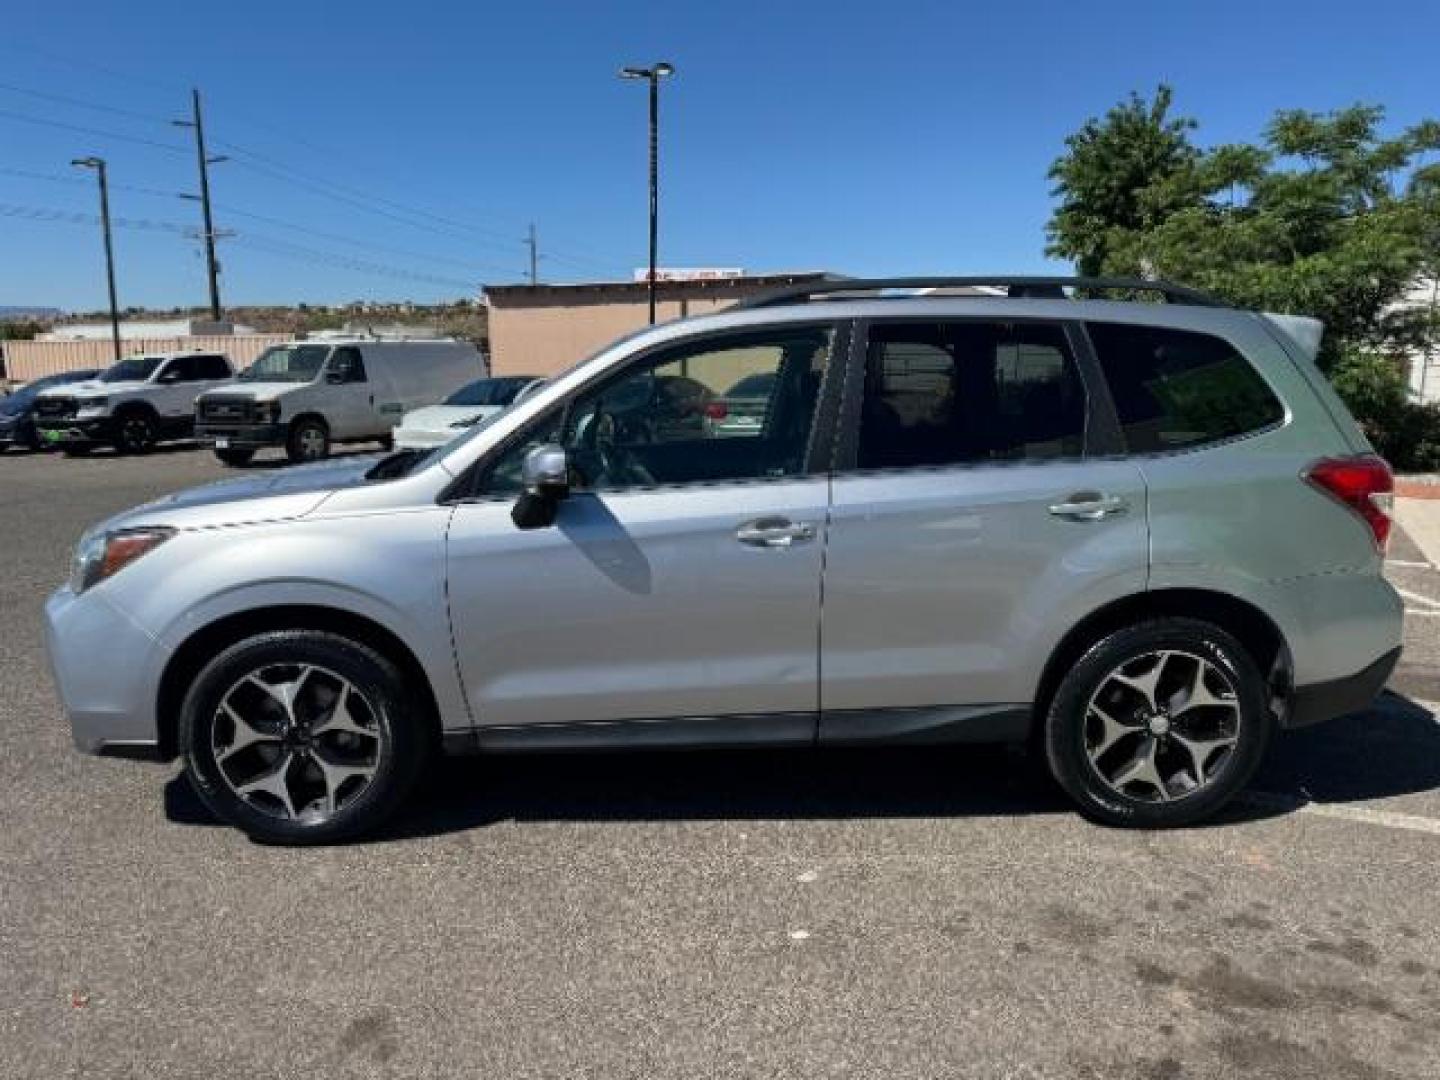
[[1338, 697], [240, 436]]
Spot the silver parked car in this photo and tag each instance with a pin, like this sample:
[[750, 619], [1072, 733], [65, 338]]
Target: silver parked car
[[1145, 536]]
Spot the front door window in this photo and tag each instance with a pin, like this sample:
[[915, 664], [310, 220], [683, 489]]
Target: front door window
[[734, 410]]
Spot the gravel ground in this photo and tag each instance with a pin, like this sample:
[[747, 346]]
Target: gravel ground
[[896, 914]]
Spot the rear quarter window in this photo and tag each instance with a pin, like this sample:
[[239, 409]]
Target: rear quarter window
[[1175, 389]]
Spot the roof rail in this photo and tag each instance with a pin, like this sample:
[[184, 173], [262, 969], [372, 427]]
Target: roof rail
[[1046, 288]]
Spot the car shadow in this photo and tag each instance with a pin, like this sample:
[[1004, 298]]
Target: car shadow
[[1391, 750]]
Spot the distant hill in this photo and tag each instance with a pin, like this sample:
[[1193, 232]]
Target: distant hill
[[16, 314]]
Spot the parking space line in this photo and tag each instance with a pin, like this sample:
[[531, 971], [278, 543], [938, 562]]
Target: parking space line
[[1419, 598], [1422, 611], [1411, 564], [1364, 815]]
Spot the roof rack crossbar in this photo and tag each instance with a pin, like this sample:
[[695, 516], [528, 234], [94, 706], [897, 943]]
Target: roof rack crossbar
[[1016, 288]]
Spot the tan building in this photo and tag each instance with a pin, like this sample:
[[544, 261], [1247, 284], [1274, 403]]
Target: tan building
[[543, 329]]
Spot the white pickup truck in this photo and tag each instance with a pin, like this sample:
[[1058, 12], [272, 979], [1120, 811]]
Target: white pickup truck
[[132, 405]]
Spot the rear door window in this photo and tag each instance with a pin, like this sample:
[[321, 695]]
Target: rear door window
[[1177, 388], [949, 393], [212, 367]]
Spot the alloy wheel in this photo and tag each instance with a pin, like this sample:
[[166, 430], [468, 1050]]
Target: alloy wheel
[[135, 433], [1162, 725], [296, 741]]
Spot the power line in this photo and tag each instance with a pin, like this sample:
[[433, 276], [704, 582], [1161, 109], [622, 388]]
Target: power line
[[259, 242], [61, 99], [75, 217], [234, 212], [114, 135], [285, 249], [341, 238], [275, 169]]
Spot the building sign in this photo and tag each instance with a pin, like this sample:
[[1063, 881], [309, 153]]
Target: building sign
[[690, 273]]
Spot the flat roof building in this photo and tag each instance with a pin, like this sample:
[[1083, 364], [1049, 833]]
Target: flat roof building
[[543, 329]]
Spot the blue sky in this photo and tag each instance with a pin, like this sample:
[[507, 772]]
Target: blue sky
[[415, 142]]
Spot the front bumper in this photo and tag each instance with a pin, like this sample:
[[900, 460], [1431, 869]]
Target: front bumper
[[1318, 702], [239, 436], [76, 429], [107, 671]]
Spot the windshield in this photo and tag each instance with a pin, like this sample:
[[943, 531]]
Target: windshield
[[487, 393], [132, 369], [287, 363]]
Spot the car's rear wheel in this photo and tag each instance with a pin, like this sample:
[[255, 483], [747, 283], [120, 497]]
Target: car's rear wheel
[[1158, 724], [309, 440], [135, 432], [301, 737], [235, 456]]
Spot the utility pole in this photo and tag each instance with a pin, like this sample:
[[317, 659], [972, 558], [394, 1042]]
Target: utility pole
[[98, 164], [653, 75], [205, 162], [534, 256]]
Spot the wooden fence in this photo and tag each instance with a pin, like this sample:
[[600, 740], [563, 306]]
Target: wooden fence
[[26, 360]]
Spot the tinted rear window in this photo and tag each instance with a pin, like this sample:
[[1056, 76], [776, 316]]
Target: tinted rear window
[[1176, 388]]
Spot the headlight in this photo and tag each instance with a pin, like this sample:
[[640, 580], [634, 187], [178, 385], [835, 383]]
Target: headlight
[[106, 554], [274, 409]]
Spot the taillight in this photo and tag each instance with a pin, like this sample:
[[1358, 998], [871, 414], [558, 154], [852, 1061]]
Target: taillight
[[1364, 484], [717, 410]]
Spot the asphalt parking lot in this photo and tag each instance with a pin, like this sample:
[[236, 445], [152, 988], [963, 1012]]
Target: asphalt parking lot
[[898, 914]]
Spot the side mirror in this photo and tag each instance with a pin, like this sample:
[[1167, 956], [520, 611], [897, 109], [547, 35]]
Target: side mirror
[[546, 476], [170, 377], [335, 378]]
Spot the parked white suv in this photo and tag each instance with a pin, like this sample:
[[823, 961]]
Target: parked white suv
[[307, 395], [132, 405]]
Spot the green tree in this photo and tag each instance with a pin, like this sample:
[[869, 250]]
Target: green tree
[[1119, 175], [1326, 216]]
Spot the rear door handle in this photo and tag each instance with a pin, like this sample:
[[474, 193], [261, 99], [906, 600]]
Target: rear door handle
[[1089, 506], [774, 532]]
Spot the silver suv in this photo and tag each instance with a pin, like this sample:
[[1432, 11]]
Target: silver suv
[[1143, 535]]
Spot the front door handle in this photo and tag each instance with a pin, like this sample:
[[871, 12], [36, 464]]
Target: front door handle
[[1090, 506], [774, 532]]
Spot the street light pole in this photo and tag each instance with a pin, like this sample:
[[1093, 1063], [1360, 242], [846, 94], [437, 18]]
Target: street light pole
[[98, 164], [653, 75]]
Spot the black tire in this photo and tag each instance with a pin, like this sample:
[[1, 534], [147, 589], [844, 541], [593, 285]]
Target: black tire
[[136, 431], [308, 440], [1070, 728], [238, 457], [403, 743]]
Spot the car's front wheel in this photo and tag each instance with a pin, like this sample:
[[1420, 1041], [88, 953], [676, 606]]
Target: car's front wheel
[[309, 440], [1158, 724], [135, 432], [301, 737]]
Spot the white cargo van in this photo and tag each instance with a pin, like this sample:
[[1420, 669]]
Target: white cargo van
[[308, 395]]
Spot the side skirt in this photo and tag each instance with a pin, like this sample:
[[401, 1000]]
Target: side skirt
[[921, 725]]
